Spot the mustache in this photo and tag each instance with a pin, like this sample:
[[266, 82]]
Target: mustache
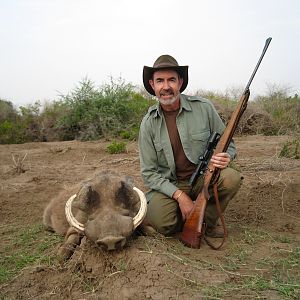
[[167, 91]]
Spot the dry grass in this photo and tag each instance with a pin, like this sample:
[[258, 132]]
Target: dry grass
[[18, 163]]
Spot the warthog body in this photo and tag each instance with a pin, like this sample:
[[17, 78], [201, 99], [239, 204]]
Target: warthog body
[[105, 204]]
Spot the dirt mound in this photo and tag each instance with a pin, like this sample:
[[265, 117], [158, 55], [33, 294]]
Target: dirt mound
[[260, 258], [253, 121]]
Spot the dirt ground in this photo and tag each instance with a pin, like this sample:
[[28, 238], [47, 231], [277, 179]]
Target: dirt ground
[[263, 222]]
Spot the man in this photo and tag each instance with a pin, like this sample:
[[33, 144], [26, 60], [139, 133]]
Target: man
[[173, 135]]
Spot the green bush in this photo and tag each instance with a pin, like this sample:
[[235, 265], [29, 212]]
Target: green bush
[[115, 110], [291, 149], [131, 134], [91, 113], [11, 128], [7, 111], [12, 132], [86, 113], [116, 147], [275, 113], [283, 109]]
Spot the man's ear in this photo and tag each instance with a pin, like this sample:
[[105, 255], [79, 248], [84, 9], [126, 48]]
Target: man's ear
[[151, 83], [180, 82]]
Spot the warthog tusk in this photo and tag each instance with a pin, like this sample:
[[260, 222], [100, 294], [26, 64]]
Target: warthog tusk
[[140, 216], [137, 219], [70, 217]]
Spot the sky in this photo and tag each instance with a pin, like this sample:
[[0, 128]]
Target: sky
[[49, 46]]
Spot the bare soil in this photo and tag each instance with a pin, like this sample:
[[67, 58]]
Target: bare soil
[[262, 217]]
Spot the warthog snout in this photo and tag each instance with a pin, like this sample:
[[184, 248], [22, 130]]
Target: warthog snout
[[111, 242]]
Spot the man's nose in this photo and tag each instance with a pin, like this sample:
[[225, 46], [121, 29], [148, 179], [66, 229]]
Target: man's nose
[[166, 85]]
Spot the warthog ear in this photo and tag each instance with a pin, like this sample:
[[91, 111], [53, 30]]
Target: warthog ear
[[129, 180], [126, 196], [85, 197]]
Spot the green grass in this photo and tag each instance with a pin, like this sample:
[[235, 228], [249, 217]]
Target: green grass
[[282, 276], [32, 245], [291, 149]]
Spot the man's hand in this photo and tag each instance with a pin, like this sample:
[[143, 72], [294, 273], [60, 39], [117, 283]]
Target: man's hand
[[221, 160], [185, 203]]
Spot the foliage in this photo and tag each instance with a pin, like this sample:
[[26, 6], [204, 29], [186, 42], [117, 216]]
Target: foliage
[[275, 113], [116, 147], [11, 129], [30, 116], [291, 149], [284, 110], [115, 109], [7, 111], [91, 113], [19, 127]]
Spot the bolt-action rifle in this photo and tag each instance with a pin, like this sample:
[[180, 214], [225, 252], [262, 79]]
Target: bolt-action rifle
[[194, 226]]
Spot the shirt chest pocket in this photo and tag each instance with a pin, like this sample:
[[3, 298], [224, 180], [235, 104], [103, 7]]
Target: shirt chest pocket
[[199, 141], [161, 157]]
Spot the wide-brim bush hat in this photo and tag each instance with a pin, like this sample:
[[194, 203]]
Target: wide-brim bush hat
[[165, 62]]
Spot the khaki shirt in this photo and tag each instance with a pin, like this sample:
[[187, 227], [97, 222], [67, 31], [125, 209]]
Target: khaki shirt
[[196, 120]]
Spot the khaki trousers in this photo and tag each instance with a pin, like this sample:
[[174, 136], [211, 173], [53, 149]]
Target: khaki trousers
[[164, 213]]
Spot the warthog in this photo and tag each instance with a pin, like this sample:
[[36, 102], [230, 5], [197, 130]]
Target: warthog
[[106, 209]]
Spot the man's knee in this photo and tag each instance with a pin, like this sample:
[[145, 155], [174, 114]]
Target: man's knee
[[166, 225], [162, 214], [231, 179], [166, 230]]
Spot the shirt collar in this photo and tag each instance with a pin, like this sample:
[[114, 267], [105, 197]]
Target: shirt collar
[[184, 104]]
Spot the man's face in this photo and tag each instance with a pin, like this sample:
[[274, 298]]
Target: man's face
[[166, 85]]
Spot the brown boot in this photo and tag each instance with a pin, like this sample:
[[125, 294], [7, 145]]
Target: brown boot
[[215, 231], [146, 229]]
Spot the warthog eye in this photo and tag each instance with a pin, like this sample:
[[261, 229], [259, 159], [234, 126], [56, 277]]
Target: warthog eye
[[119, 244], [124, 212], [124, 196]]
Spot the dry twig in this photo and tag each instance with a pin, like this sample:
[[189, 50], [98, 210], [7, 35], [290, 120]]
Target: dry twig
[[18, 164]]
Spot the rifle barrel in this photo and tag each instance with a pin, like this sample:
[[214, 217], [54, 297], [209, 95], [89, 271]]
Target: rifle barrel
[[268, 41]]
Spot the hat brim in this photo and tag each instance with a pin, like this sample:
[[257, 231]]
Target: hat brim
[[148, 74]]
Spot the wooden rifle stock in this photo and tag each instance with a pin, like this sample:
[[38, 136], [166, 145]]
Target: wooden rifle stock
[[193, 229]]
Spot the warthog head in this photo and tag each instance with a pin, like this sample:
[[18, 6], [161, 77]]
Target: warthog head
[[107, 209]]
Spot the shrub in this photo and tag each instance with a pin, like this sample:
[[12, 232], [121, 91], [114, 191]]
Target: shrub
[[11, 128], [291, 149], [30, 116], [283, 109], [276, 113], [107, 111], [12, 132], [116, 147], [7, 111], [115, 109], [131, 134]]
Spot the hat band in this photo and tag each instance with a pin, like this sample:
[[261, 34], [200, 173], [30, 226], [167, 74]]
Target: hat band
[[164, 66]]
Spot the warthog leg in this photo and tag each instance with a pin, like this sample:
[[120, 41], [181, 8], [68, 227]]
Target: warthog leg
[[72, 239]]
